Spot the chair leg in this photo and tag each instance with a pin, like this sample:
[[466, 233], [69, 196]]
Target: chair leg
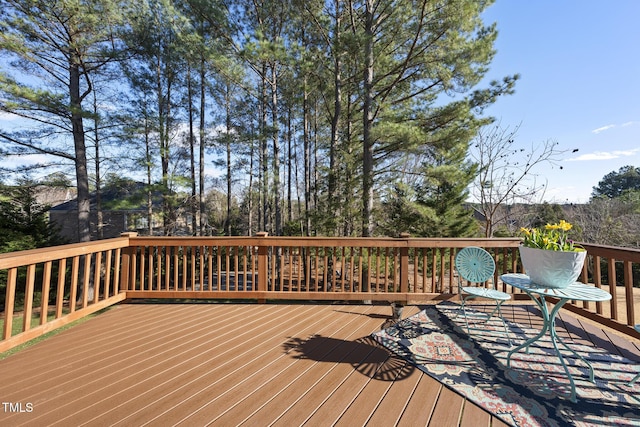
[[462, 301], [504, 324], [497, 309], [464, 311]]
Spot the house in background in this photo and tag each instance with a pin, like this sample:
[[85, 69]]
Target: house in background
[[49, 195], [124, 208]]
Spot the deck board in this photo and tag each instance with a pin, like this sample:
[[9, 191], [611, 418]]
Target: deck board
[[420, 408], [242, 364], [448, 409]]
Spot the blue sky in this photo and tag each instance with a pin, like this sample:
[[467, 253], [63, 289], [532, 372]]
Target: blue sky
[[580, 85]]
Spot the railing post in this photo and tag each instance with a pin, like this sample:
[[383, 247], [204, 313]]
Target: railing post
[[263, 263], [125, 265], [404, 264], [613, 284], [628, 288]]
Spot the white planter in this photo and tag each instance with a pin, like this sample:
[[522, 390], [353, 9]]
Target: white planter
[[552, 269]]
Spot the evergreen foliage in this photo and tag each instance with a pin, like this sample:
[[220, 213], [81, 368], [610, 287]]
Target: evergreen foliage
[[315, 109], [615, 184], [24, 223]]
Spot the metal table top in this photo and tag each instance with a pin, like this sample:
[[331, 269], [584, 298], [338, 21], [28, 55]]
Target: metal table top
[[576, 291]]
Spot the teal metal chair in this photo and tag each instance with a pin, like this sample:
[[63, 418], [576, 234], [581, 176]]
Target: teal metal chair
[[475, 265]]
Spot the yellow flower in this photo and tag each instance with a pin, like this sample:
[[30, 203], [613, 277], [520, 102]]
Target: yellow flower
[[564, 225], [552, 237]]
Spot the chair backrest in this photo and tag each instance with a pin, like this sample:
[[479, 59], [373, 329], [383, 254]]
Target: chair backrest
[[474, 264]]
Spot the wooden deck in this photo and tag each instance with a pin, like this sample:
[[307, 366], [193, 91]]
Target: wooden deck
[[240, 364]]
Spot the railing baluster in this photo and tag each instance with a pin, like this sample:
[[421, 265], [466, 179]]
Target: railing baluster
[[116, 271], [62, 274], [152, 268], [28, 297], [44, 300], [9, 302], [141, 263], [107, 273], [74, 283], [96, 277], [86, 279]]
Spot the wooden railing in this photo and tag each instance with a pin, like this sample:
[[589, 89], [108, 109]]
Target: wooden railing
[[321, 268], [55, 286], [66, 283], [617, 270]]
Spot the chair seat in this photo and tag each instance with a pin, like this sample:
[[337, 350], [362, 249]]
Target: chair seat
[[486, 293]]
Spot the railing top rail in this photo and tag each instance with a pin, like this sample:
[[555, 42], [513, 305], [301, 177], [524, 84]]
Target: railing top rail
[[411, 242], [17, 259], [614, 252]]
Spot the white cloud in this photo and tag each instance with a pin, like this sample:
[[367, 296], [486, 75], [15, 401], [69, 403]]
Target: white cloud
[[603, 128], [605, 155], [611, 126]]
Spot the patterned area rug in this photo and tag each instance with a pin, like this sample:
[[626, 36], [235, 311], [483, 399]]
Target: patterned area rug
[[534, 391]]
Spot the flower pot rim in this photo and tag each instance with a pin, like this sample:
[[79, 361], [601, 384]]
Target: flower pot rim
[[522, 245]]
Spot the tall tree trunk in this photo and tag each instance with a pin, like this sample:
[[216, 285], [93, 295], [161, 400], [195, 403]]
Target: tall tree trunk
[[276, 150], [306, 138], [192, 156], [290, 161], [227, 108], [82, 175], [201, 204], [367, 124], [164, 147], [148, 160], [264, 154], [250, 190], [315, 148], [335, 120], [96, 135]]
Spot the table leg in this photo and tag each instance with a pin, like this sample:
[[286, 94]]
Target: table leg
[[592, 377], [549, 324], [554, 341], [545, 326]]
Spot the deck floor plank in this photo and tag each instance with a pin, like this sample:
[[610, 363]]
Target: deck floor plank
[[448, 410], [394, 403], [474, 416], [244, 364], [423, 402]]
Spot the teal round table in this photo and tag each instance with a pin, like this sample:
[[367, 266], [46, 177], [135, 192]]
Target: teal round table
[[574, 292]]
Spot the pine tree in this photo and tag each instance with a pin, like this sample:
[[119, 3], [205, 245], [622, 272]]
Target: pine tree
[[61, 45], [413, 53]]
